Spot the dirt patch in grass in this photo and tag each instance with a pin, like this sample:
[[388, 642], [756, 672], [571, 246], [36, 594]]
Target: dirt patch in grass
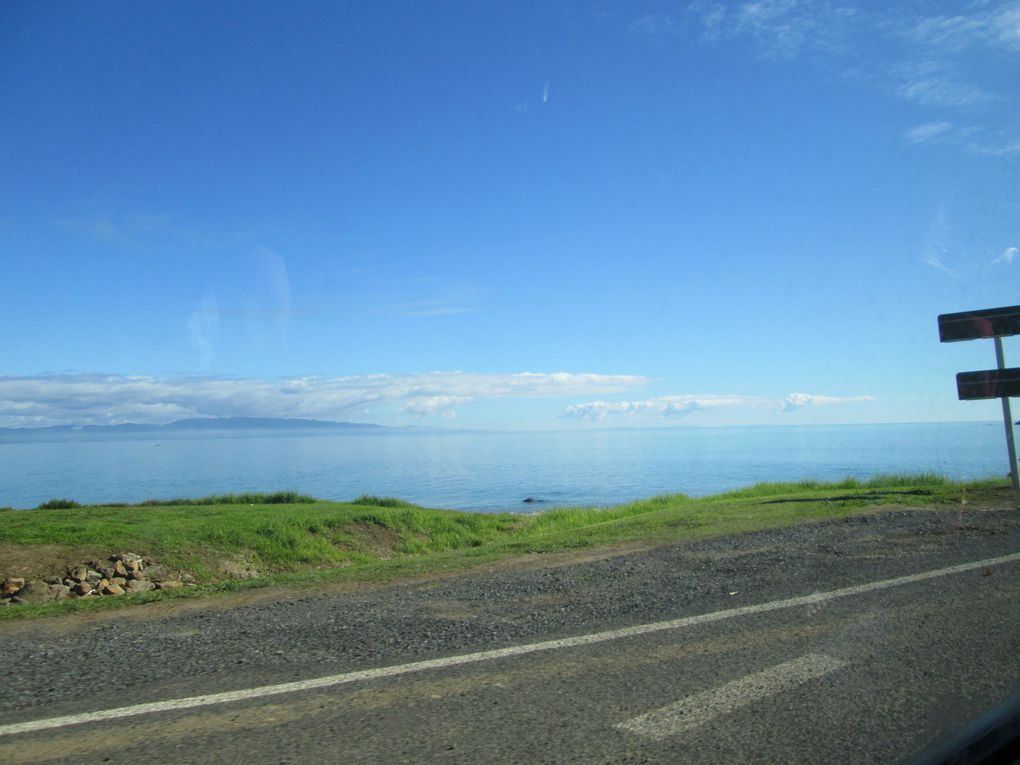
[[375, 539], [37, 561], [238, 567]]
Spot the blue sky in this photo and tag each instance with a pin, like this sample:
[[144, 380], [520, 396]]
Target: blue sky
[[509, 215]]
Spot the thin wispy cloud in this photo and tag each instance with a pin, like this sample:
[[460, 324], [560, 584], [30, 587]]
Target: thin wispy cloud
[[931, 83], [1007, 255], [545, 93], [938, 245], [928, 132], [417, 309], [83, 399], [130, 230], [776, 28], [935, 262], [995, 26], [428, 297], [937, 62], [1006, 25]]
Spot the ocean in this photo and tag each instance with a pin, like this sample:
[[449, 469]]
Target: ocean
[[486, 471]]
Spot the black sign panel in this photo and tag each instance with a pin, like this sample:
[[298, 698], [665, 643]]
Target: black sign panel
[[973, 325], [991, 383]]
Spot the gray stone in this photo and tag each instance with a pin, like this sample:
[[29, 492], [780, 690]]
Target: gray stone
[[120, 581], [139, 585], [36, 591], [93, 577], [78, 573], [60, 591]]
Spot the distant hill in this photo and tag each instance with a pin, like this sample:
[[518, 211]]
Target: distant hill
[[199, 423]]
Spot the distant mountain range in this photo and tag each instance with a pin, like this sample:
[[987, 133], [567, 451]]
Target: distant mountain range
[[203, 423]]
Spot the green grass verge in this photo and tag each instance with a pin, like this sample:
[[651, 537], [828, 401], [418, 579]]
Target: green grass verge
[[270, 541]]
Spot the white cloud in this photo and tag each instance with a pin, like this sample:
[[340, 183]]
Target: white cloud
[[83, 399], [680, 405], [545, 93], [799, 400], [929, 131], [663, 406], [1007, 255], [434, 405]]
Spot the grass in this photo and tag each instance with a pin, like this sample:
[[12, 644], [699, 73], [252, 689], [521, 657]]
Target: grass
[[288, 538]]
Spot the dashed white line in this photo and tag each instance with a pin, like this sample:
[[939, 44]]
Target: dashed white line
[[703, 707], [247, 694]]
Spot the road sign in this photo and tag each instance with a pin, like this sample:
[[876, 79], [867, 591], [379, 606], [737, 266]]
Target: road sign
[[974, 325], [998, 383], [989, 383]]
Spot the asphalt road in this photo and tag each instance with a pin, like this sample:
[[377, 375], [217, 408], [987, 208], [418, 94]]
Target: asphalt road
[[756, 650]]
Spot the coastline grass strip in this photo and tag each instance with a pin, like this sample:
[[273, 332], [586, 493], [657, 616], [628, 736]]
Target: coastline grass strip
[[229, 543]]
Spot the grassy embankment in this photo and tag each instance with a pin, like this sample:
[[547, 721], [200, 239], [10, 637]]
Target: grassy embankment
[[288, 539]]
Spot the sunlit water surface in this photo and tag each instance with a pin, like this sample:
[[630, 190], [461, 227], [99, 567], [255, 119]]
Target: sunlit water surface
[[488, 471]]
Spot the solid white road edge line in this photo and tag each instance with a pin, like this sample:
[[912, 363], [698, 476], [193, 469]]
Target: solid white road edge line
[[246, 694], [703, 707]]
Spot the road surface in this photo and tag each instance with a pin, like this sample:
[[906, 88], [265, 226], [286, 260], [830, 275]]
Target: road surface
[[864, 639]]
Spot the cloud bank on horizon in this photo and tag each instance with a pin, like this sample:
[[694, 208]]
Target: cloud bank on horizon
[[94, 399], [83, 399]]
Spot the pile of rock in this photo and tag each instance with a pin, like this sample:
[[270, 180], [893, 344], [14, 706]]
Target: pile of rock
[[120, 574]]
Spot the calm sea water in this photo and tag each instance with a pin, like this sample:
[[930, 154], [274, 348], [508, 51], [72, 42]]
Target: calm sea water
[[489, 471]]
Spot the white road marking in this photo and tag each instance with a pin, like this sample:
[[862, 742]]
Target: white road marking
[[705, 706], [246, 694]]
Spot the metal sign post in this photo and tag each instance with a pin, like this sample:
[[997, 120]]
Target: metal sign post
[[1007, 417], [1001, 382]]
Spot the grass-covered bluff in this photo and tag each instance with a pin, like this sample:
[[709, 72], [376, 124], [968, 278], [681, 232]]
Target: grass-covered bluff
[[235, 541]]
